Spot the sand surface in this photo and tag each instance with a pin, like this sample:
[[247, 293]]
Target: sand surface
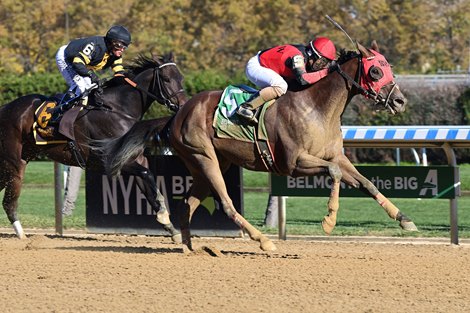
[[113, 273]]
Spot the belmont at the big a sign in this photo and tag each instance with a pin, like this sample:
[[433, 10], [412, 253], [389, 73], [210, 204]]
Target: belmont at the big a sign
[[392, 181]]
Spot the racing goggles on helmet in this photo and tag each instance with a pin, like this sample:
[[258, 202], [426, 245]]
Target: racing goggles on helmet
[[321, 63], [118, 45]]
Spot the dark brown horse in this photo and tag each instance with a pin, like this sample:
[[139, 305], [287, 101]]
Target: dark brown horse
[[157, 79], [304, 131]]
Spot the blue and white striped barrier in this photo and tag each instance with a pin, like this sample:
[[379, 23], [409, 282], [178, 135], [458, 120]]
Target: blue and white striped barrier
[[416, 136]]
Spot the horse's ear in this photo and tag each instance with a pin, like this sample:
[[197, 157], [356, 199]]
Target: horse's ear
[[374, 46], [364, 51], [171, 56]]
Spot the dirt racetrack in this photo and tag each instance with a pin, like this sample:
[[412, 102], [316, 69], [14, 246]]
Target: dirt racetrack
[[110, 273]]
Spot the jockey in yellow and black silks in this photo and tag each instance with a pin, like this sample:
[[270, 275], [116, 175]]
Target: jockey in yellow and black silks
[[79, 59]]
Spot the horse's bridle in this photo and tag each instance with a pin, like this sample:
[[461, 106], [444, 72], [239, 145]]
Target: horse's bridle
[[163, 95], [368, 93]]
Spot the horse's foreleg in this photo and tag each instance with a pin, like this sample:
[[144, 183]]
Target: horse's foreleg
[[329, 221], [146, 183], [352, 177], [310, 165]]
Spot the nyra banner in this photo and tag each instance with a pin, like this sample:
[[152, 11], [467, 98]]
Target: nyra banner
[[118, 206], [392, 181]]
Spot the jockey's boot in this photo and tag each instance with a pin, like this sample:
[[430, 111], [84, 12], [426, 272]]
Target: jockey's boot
[[245, 110], [99, 97], [66, 103]]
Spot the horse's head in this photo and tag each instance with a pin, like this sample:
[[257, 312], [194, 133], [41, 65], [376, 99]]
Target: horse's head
[[377, 83], [163, 78], [170, 83]]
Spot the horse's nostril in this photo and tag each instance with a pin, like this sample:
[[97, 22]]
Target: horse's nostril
[[399, 104]]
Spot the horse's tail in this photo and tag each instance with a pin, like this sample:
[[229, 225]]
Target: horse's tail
[[122, 150]]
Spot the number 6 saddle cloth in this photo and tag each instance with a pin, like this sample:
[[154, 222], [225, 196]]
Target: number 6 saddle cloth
[[45, 132]]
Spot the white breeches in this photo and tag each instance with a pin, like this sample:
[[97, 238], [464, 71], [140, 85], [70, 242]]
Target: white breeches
[[264, 77], [77, 84]]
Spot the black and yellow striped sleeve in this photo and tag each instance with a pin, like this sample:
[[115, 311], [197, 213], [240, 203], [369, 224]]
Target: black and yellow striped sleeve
[[117, 66], [79, 64]]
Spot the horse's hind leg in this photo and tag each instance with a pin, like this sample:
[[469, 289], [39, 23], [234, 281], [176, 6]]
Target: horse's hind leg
[[352, 177], [197, 193], [11, 179], [146, 183], [214, 179]]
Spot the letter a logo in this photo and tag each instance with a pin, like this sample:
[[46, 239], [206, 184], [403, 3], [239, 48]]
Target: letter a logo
[[430, 183]]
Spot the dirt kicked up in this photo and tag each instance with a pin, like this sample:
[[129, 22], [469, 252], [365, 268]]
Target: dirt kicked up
[[110, 273]]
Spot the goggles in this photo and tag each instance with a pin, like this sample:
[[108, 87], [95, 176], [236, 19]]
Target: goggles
[[320, 64], [118, 45]]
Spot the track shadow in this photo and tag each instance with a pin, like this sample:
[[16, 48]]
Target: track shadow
[[131, 250], [266, 255], [66, 237]]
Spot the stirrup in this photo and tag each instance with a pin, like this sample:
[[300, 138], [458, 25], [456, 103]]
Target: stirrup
[[246, 114]]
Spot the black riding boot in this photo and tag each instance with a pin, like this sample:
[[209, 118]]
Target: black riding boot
[[66, 103]]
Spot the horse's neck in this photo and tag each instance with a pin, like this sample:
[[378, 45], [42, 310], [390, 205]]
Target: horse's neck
[[322, 104], [129, 100], [340, 91], [145, 81]]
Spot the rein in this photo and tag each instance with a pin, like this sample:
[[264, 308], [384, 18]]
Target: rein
[[364, 91], [367, 93], [163, 96]]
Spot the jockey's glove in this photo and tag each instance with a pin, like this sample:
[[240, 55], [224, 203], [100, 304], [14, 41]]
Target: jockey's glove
[[94, 78], [333, 67]]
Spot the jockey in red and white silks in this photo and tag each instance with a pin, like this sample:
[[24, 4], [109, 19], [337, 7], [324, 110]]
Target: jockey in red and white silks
[[271, 70]]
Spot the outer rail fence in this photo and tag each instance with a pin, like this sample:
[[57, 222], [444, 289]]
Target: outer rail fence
[[445, 137]]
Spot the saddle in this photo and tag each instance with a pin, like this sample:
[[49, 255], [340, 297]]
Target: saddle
[[61, 131], [228, 125]]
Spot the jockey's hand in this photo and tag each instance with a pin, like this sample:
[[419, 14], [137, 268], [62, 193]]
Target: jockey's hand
[[101, 83], [333, 67], [94, 78]]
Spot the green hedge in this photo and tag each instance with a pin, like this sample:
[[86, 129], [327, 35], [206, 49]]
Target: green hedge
[[14, 86], [449, 106]]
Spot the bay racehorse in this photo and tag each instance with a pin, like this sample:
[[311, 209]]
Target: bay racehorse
[[125, 102], [304, 131]]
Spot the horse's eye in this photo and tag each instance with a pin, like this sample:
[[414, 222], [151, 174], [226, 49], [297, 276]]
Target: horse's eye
[[375, 73]]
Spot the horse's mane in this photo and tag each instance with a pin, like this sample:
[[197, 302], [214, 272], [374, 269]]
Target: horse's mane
[[345, 56], [138, 65], [143, 62]]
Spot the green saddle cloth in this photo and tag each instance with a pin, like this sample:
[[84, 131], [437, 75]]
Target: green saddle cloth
[[227, 124]]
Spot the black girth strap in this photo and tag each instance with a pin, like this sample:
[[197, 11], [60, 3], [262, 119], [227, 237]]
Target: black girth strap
[[76, 154], [265, 153]]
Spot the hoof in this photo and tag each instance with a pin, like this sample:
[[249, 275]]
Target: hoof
[[19, 230], [327, 225], [268, 245], [177, 238], [187, 250], [408, 226], [163, 217]]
